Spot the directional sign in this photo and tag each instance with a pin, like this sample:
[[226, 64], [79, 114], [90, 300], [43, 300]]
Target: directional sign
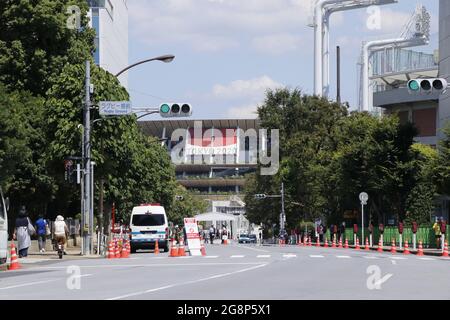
[[115, 108], [363, 197]]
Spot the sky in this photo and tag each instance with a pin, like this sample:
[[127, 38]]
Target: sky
[[230, 52]]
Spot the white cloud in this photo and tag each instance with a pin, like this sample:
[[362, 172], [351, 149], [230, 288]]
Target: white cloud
[[277, 44], [253, 89], [216, 25], [244, 112]]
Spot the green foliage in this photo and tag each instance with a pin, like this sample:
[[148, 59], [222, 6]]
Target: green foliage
[[188, 207], [329, 156], [442, 173]]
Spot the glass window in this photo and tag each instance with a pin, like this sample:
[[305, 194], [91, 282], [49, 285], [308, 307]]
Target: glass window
[[148, 220]]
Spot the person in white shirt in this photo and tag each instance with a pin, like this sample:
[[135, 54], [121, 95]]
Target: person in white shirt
[[61, 231]]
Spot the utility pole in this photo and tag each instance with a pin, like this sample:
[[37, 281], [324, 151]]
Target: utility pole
[[283, 215], [87, 228], [338, 64]]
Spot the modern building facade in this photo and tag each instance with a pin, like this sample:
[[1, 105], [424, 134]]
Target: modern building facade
[[444, 58], [110, 20]]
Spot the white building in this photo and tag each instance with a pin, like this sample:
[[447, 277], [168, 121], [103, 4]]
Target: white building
[[110, 19]]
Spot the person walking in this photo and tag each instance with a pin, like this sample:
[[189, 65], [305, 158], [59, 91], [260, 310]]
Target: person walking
[[212, 233], [437, 233], [23, 232], [61, 232], [42, 230]]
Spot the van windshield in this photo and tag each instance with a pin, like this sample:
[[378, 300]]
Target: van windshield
[[148, 220]]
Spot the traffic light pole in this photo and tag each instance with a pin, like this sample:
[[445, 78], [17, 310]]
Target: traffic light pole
[[87, 203], [283, 215]]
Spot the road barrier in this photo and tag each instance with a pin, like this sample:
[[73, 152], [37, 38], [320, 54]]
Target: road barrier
[[111, 252]]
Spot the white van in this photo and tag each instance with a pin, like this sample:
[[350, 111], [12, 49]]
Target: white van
[[149, 224], [3, 229]]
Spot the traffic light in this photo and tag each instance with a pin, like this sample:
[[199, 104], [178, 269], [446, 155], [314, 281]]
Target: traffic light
[[175, 110], [427, 86], [260, 196]]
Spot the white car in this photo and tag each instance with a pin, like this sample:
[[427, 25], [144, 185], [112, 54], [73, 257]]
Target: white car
[[3, 229], [149, 225]]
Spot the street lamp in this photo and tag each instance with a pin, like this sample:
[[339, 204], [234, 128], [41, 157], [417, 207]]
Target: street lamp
[[166, 59]]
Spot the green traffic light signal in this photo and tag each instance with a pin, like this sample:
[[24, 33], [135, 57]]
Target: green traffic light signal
[[414, 85], [165, 108]]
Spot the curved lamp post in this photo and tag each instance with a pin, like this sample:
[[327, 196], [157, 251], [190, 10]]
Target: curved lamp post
[[166, 59]]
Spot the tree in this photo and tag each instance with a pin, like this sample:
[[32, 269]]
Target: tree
[[186, 207], [442, 173]]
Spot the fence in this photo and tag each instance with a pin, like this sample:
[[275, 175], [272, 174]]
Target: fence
[[426, 235]]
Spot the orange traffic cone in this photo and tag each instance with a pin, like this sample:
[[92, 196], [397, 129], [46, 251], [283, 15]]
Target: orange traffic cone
[[157, 247], [299, 242], [202, 247], [406, 251], [380, 246], [181, 249], [367, 245], [325, 243], [111, 253], [445, 253], [346, 244], [125, 253], [173, 249], [333, 245], [340, 244], [14, 265], [357, 244], [318, 242], [420, 251], [393, 247]]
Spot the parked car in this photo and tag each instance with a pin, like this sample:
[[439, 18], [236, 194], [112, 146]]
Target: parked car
[[244, 238], [252, 238]]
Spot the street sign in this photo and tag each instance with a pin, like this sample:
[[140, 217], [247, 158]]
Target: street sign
[[193, 236], [115, 108], [363, 197]]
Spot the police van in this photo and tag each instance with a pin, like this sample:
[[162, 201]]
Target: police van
[[149, 224], [3, 228]]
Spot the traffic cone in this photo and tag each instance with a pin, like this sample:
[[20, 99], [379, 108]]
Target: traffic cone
[[125, 254], [300, 242], [357, 244], [173, 249], [420, 251], [393, 247], [318, 242], [181, 249], [157, 247], [406, 251], [346, 244], [445, 253], [202, 247], [117, 250], [14, 265], [340, 244], [325, 243], [333, 245], [309, 242], [367, 245], [111, 253], [380, 246]]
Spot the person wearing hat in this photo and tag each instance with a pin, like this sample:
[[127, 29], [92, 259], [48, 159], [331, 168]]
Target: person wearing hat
[[23, 232], [61, 231]]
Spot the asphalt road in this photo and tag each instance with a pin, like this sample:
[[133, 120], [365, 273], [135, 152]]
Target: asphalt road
[[235, 272]]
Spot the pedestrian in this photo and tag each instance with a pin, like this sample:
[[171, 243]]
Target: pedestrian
[[61, 232], [23, 232], [437, 232], [212, 233], [260, 237], [43, 231], [342, 231], [320, 228]]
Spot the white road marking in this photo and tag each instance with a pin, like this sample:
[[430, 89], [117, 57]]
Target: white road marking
[[29, 284], [187, 283], [237, 257], [290, 256], [370, 257], [263, 256], [154, 265], [427, 259], [399, 258], [316, 256], [210, 257], [251, 248], [343, 257], [394, 262]]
